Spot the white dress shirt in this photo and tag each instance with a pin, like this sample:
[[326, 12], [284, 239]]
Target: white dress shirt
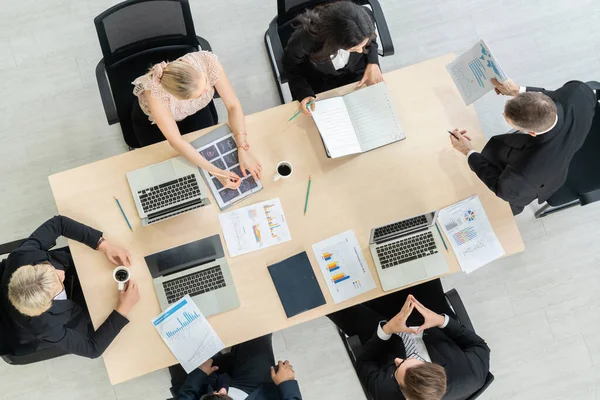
[[422, 349], [237, 394], [61, 296], [340, 59]]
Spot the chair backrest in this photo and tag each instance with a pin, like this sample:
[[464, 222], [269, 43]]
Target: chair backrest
[[136, 34], [134, 26]]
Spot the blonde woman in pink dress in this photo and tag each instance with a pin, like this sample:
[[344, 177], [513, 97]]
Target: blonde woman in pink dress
[[173, 99]]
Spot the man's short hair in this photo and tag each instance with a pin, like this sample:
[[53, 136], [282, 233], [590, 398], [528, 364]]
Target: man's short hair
[[532, 111], [424, 382], [216, 396], [32, 287]]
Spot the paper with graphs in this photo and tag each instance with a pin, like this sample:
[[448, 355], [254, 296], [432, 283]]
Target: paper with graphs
[[473, 70], [470, 234], [188, 334]]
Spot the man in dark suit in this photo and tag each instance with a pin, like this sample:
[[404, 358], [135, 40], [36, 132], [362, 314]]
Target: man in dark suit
[[252, 376], [42, 303], [420, 355], [533, 162]]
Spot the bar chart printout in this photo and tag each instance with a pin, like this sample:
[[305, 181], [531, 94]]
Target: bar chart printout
[[188, 334], [343, 266]]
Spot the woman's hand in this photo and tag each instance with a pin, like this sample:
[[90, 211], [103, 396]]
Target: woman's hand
[[371, 76], [228, 179], [304, 105], [249, 163]]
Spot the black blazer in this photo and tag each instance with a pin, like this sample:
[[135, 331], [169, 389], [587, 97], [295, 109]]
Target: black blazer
[[520, 168], [297, 63], [197, 385], [464, 355], [66, 324]]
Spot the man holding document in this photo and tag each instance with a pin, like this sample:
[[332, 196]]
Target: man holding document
[[551, 125], [253, 376]]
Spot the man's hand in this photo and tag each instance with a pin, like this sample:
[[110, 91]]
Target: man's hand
[[371, 76], [431, 318], [128, 297], [207, 367], [398, 323], [461, 142], [304, 105], [115, 254], [507, 88], [285, 372]]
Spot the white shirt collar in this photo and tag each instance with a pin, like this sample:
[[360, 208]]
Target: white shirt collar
[[549, 129]]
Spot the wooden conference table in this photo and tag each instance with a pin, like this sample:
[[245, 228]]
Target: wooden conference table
[[419, 174]]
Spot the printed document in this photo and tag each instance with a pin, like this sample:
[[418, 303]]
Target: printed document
[[470, 233], [473, 70], [188, 334], [254, 227], [343, 266]]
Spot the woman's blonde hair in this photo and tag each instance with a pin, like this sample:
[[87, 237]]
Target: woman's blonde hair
[[32, 287], [180, 79]]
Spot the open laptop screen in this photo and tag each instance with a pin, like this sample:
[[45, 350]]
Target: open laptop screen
[[185, 256]]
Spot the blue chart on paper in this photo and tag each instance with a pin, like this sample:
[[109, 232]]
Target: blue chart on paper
[[188, 318], [480, 65]]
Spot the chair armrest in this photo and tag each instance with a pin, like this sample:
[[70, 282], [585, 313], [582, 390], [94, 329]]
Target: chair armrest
[[385, 38], [276, 47], [203, 43], [459, 308], [110, 109], [6, 248], [589, 197]]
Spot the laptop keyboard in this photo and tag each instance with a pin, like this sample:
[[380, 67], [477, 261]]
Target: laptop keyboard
[[169, 193], [399, 226], [200, 282], [405, 250]]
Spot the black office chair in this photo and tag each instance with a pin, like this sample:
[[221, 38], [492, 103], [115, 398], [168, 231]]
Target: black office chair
[[583, 180], [134, 35], [354, 347], [280, 30], [6, 350]]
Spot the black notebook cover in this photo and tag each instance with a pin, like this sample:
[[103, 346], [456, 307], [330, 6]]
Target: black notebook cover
[[296, 284]]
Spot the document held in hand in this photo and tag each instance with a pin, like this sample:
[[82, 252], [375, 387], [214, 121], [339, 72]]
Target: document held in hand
[[357, 122]]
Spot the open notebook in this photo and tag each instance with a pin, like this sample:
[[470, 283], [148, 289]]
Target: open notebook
[[357, 122]]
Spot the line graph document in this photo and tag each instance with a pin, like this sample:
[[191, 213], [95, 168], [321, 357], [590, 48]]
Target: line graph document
[[470, 233], [254, 227], [473, 70], [343, 266], [188, 334]]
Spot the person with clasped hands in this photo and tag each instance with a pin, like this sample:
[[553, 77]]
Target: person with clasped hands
[[42, 302], [533, 162], [438, 359], [252, 377]]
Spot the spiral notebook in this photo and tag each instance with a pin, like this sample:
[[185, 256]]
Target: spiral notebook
[[358, 122]]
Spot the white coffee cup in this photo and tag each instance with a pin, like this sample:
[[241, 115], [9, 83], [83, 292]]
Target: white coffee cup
[[284, 169], [121, 275]]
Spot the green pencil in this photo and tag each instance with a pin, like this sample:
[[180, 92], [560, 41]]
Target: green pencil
[[307, 194], [299, 111], [440, 232]]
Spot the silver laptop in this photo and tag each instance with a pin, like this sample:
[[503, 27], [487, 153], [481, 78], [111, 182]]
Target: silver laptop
[[408, 251], [199, 269], [167, 189]]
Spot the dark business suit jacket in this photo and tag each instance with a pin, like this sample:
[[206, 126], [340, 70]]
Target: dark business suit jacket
[[520, 168], [66, 324], [197, 385], [301, 70], [464, 355]]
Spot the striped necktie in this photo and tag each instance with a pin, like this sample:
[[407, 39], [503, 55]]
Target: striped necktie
[[410, 345]]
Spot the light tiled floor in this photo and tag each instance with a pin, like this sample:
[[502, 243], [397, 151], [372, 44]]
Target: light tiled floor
[[538, 310]]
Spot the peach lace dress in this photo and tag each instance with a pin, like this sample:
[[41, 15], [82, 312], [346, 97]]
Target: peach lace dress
[[149, 84]]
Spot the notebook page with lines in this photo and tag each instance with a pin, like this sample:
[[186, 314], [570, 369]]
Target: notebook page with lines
[[335, 127], [374, 117]]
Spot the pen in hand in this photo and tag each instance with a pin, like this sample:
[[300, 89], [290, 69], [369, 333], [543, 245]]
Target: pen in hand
[[452, 133]]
